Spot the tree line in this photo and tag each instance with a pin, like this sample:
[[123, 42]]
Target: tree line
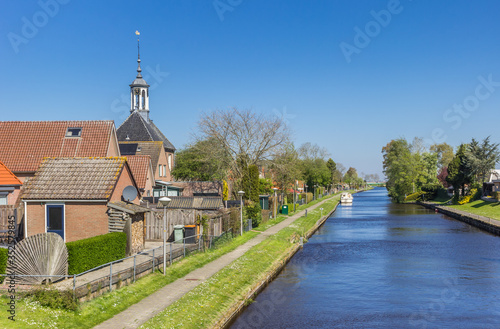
[[412, 168]]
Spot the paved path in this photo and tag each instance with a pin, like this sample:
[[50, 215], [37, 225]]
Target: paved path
[[150, 306]]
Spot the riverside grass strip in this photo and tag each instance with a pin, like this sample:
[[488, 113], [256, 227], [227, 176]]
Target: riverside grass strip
[[214, 299], [30, 314]]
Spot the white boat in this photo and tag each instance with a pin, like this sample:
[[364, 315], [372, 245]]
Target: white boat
[[346, 198]]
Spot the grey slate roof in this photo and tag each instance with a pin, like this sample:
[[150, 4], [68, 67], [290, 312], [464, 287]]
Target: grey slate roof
[[138, 129], [200, 203]]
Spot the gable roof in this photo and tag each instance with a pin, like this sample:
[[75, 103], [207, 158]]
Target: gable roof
[[139, 165], [7, 178], [136, 128], [201, 203], [23, 144], [75, 179], [153, 149]]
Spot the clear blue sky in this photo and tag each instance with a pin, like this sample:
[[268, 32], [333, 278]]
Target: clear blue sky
[[280, 57]]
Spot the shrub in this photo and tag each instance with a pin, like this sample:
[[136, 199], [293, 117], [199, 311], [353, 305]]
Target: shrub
[[496, 195], [4, 255], [431, 190], [468, 198], [415, 196], [92, 252], [254, 211], [55, 298]]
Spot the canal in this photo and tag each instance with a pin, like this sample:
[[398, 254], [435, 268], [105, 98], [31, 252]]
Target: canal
[[376, 264]]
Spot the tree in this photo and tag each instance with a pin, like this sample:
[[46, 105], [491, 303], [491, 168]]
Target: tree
[[443, 173], [243, 134], [313, 165], [332, 166], [481, 158], [459, 173], [351, 176], [204, 160], [285, 166], [444, 154]]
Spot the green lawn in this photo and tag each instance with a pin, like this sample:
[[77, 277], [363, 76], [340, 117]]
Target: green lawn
[[482, 208], [205, 304], [30, 314]]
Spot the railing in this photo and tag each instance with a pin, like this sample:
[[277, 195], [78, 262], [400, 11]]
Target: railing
[[143, 262]]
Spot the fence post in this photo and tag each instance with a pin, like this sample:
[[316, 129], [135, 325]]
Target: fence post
[[110, 276], [74, 286], [184, 244], [170, 253], [210, 244], [134, 268], [153, 261]]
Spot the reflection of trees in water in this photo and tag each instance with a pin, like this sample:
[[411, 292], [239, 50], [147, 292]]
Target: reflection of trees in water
[[407, 209]]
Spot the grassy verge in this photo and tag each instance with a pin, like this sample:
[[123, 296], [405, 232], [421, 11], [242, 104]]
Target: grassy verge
[[481, 208], [205, 304], [30, 314]]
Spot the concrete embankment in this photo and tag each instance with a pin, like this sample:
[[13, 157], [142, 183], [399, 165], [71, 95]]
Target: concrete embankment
[[235, 310], [484, 223]]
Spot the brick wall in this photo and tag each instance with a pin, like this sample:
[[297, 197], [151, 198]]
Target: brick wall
[[124, 180], [83, 219]]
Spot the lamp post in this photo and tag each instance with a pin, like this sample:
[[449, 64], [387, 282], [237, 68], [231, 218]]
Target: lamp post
[[240, 193], [305, 186], [275, 202], [164, 201]]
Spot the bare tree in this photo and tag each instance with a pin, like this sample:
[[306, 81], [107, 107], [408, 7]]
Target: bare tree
[[246, 137]]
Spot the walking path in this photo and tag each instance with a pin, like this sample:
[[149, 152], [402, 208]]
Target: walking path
[[150, 306]]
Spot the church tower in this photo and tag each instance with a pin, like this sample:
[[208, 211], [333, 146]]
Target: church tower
[[139, 90]]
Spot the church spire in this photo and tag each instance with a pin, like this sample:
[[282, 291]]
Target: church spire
[[139, 89]]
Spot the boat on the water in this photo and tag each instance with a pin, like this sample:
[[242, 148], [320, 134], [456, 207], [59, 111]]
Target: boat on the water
[[346, 198]]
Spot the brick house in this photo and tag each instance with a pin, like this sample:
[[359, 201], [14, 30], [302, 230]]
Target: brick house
[[10, 186], [142, 170], [23, 144], [69, 196]]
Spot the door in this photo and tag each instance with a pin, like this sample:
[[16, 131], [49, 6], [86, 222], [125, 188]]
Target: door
[[55, 219]]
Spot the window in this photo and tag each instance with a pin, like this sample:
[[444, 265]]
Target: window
[[160, 167], [3, 199], [74, 132], [170, 162], [164, 171]]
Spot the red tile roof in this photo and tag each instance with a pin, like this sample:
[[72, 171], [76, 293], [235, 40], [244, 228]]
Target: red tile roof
[[75, 179], [139, 165], [23, 144], [7, 177]]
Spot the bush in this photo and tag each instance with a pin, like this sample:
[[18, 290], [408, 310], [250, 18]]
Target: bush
[[254, 211], [55, 298], [496, 195], [431, 190], [4, 255], [92, 252], [415, 196], [468, 198]]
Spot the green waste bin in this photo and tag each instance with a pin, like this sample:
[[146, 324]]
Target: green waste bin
[[284, 209], [178, 233]]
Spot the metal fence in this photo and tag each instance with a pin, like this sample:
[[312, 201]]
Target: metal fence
[[122, 272]]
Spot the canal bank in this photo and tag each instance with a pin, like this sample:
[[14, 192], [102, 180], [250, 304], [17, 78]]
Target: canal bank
[[235, 310], [217, 297], [484, 223]]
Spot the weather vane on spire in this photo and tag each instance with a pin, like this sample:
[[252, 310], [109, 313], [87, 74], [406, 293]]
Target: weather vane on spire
[[138, 47]]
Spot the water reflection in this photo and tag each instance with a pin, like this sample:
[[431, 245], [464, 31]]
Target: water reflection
[[376, 264]]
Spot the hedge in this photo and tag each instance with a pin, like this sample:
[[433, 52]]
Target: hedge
[[4, 255], [415, 196], [88, 253]]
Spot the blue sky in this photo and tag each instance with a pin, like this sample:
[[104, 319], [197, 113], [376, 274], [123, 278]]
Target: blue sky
[[280, 57]]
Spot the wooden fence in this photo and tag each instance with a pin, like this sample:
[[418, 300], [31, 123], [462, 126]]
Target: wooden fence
[[7, 213], [154, 221]]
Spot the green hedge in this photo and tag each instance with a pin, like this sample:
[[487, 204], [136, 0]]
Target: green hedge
[[4, 255], [92, 252]]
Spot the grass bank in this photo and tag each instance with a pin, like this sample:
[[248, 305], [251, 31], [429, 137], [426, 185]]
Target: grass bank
[[481, 208], [30, 314], [212, 299]]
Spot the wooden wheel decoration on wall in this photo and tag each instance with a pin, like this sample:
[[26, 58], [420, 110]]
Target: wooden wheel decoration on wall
[[43, 254]]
